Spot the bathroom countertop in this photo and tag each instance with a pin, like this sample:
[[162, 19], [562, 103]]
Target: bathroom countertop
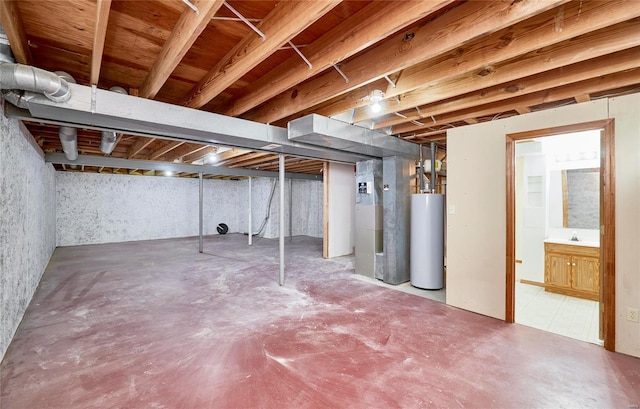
[[573, 243]]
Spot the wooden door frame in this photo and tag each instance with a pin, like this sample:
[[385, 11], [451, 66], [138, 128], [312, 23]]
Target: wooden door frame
[[607, 216]]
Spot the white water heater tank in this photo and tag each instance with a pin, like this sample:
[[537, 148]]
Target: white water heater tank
[[427, 241]]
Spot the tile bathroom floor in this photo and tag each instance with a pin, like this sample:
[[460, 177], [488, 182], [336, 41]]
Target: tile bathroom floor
[[560, 314]]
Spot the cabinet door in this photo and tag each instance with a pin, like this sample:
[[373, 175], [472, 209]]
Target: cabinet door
[[557, 270], [586, 273]]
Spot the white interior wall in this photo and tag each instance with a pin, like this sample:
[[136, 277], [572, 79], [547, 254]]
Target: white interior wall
[[476, 223], [626, 111], [27, 223], [533, 218], [100, 208]]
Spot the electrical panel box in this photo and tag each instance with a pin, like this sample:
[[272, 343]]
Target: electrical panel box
[[364, 188]]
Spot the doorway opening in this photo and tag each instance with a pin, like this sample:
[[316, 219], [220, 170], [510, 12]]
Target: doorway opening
[[556, 228]]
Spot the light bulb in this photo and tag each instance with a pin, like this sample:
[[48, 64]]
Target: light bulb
[[376, 107]]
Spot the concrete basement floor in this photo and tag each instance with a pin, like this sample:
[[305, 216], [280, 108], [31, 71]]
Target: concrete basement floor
[[155, 324]]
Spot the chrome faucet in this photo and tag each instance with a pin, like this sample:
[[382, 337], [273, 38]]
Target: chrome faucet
[[574, 237]]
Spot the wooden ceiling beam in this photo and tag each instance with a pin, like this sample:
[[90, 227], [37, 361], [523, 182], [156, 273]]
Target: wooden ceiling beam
[[100, 33], [199, 154], [182, 151], [12, 25], [459, 26], [522, 103], [623, 36], [552, 27], [377, 20], [138, 146], [287, 20], [523, 110], [165, 148], [582, 98], [222, 157], [483, 67], [251, 159], [184, 34], [267, 159]]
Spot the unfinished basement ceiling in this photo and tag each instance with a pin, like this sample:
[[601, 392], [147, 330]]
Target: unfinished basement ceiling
[[440, 64]]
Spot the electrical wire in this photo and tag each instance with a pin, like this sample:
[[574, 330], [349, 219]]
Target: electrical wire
[[266, 218]]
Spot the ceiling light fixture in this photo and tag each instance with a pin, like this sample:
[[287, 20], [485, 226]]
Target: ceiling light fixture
[[376, 98]]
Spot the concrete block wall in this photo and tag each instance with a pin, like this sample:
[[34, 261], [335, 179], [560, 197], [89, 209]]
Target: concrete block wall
[[27, 223], [101, 208]]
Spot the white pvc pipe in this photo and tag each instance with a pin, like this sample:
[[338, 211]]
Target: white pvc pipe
[[250, 220], [281, 171]]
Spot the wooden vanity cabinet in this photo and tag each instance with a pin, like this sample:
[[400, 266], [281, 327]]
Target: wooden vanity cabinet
[[572, 270]]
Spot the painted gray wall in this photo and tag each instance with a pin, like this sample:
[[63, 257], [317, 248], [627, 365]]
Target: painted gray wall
[[101, 208], [27, 223], [307, 202]]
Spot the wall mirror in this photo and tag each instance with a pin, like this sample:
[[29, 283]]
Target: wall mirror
[[581, 198]]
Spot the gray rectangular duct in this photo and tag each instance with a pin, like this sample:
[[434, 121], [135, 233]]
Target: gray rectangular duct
[[104, 110], [332, 133], [397, 176]]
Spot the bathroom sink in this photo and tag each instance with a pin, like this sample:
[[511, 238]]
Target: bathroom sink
[[575, 243]]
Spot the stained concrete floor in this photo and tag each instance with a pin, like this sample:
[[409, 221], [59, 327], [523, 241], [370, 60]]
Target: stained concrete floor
[[156, 325]]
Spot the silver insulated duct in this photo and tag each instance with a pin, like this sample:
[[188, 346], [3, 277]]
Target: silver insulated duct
[[108, 141], [15, 79], [69, 140], [27, 78], [6, 56], [68, 136]]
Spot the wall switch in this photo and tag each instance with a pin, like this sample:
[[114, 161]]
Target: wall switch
[[452, 209], [632, 314]]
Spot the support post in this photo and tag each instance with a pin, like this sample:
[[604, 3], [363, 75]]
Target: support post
[[281, 170], [250, 211], [290, 210], [200, 247]]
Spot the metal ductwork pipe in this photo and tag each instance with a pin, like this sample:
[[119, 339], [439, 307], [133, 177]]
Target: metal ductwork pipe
[[69, 139], [26, 78], [6, 56], [108, 141], [68, 136], [55, 86]]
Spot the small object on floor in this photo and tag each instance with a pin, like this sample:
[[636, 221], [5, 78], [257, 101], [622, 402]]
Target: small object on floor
[[222, 228]]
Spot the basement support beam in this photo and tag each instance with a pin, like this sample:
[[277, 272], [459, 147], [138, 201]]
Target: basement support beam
[[378, 20], [286, 21], [12, 25], [463, 23], [184, 34], [102, 19], [201, 214], [281, 239], [607, 41], [110, 162], [607, 72], [250, 230]]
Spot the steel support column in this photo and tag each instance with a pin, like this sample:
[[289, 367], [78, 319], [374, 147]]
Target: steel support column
[[250, 210], [281, 170], [200, 247]]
